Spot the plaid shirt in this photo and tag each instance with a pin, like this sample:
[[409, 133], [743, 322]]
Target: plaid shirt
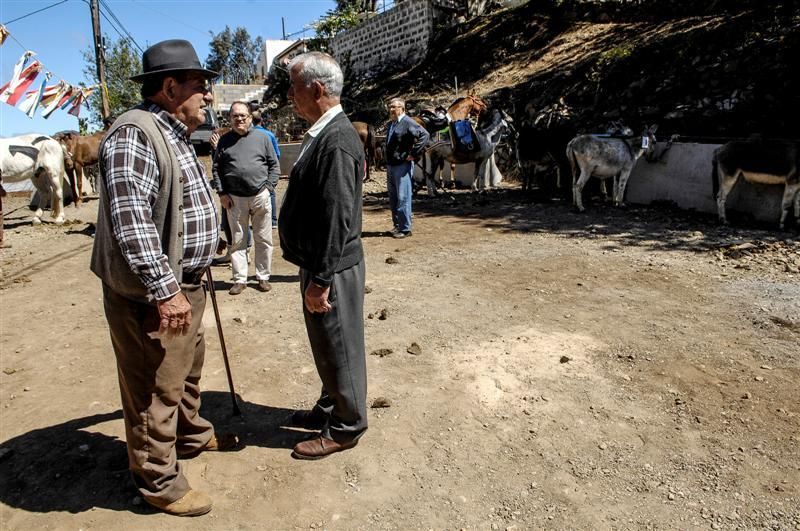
[[133, 183]]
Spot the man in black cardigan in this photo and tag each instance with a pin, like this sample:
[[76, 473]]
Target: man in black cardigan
[[320, 231]]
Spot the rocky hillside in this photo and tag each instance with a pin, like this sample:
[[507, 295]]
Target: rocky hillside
[[725, 74]]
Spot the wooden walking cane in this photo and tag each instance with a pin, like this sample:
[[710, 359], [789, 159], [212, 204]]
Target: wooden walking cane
[[236, 410]]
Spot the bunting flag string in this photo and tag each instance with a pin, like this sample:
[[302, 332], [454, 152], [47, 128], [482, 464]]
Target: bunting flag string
[[47, 99]]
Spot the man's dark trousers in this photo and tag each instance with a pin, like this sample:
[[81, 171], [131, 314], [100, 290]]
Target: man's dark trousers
[[337, 341]]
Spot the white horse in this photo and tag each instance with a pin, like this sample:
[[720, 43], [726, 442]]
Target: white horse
[[758, 161], [486, 171], [41, 159], [606, 157]]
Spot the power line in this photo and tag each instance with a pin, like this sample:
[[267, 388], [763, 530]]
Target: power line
[[34, 12], [105, 6], [204, 32]]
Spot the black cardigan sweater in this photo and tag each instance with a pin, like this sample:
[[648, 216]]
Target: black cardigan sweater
[[320, 218]]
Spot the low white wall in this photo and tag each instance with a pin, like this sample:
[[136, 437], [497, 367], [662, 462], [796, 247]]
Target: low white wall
[[683, 176]]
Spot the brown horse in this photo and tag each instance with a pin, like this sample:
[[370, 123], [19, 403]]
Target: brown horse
[[79, 151], [367, 135], [433, 121]]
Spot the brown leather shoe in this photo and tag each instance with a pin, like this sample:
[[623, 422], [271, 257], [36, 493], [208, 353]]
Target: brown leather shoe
[[193, 503], [219, 442], [237, 288], [264, 285], [320, 447], [307, 420]]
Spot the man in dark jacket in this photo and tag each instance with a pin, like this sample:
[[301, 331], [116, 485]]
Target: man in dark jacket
[[320, 231], [405, 143], [246, 172]]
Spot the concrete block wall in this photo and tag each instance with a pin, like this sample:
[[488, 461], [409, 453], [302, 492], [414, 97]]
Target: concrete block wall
[[400, 34], [224, 95]]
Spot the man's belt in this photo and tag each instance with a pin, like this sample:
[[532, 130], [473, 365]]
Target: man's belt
[[193, 277]]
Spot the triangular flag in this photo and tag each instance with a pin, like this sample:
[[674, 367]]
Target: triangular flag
[[64, 91], [3, 34], [15, 89], [8, 88], [32, 99], [76, 107]]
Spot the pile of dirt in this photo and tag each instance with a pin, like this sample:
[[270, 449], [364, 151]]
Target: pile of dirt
[[720, 74]]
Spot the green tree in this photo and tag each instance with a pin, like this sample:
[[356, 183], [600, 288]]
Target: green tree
[[233, 54], [220, 52], [122, 62], [332, 23]]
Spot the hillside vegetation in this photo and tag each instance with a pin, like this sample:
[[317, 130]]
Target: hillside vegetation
[[725, 74]]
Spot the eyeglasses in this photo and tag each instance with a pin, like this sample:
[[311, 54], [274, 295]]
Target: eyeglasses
[[240, 116]]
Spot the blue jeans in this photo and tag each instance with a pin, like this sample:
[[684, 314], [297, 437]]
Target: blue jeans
[[398, 177]]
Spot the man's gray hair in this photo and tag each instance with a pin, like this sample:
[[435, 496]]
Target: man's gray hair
[[398, 101], [318, 66]]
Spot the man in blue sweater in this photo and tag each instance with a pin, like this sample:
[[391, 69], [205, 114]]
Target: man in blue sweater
[[320, 229], [245, 174]]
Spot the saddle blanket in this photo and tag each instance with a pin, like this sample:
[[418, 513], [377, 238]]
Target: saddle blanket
[[463, 137]]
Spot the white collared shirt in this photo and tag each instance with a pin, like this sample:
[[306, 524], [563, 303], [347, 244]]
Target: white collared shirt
[[394, 123], [318, 126]]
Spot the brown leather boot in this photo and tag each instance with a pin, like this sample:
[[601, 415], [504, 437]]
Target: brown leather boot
[[193, 503]]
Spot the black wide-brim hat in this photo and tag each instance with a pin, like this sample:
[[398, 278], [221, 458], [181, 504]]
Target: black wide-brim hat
[[174, 55]]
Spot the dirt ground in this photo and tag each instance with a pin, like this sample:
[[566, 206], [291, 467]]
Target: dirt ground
[[617, 369]]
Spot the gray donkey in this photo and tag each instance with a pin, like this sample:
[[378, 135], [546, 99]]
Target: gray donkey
[[606, 157]]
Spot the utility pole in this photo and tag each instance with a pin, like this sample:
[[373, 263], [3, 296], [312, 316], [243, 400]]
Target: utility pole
[[283, 28], [99, 55]]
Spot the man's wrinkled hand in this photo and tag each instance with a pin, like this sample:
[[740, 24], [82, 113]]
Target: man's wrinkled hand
[[316, 298], [175, 315]]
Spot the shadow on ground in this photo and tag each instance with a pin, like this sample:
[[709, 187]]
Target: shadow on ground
[[74, 467]]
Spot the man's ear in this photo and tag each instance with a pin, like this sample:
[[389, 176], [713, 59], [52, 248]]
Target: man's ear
[[168, 87], [319, 90]]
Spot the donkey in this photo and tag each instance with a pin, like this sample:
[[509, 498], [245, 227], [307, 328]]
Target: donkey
[[489, 136], [606, 157], [758, 161]]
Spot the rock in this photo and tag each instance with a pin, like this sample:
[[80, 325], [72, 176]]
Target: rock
[[766, 367], [759, 378], [240, 320], [367, 289], [26, 389], [381, 352], [9, 370], [602, 446], [564, 359], [414, 349], [392, 260], [383, 314], [381, 402], [370, 315], [746, 396]]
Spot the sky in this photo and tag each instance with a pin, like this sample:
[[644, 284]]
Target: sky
[[59, 34]]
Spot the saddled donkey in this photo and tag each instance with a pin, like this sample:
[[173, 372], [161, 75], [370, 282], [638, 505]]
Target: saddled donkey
[[488, 134], [80, 151], [41, 159], [758, 161], [606, 157]]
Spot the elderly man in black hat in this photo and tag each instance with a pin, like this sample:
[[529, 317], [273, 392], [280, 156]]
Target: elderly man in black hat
[[156, 235]]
